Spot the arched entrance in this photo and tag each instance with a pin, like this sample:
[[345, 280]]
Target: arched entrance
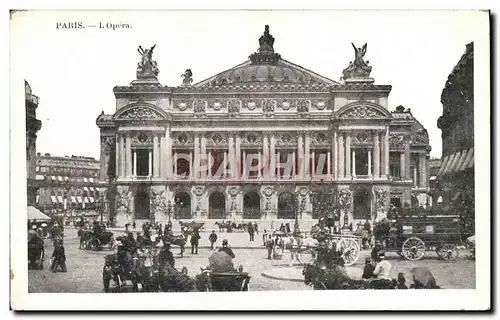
[[182, 202], [286, 206], [142, 203], [217, 205], [251, 205]]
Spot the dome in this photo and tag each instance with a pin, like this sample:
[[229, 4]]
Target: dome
[[263, 73]]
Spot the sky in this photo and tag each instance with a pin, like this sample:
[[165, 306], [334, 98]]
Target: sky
[[73, 71]]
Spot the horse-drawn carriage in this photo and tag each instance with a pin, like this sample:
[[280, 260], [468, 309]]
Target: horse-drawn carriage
[[415, 232], [96, 239], [36, 250]]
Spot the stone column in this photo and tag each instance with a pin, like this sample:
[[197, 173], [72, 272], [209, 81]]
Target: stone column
[[191, 165], [402, 165], [231, 156], [122, 157], [423, 170], [168, 162], [341, 156], [407, 159], [273, 155], [150, 167], [335, 155], [224, 165], [415, 178], [265, 153], [175, 164], [127, 161], [162, 164], [386, 152], [209, 161], [244, 168], [307, 157], [348, 155], [135, 164], [259, 164], [300, 155], [313, 164], [369, 162], [353, 171], [376, 155], [238, 164], [328, 164], [196, 160], [294, 167], [156, 163]]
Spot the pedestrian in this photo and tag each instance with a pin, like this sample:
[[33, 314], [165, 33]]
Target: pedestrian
[[368, 270], [195, 238], [282, 228], [58, 257], [250, 231], [264, 237], [225, 248], [160, 230], [401, 281], [133, 225], [212, 238], [269, 247], [256, 228]]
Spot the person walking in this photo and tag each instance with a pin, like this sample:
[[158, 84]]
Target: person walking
[[212, 238], [195, 238], [58, 257], [251, 231], [264, 237], [269, 247], [133, 225], [256, 228]]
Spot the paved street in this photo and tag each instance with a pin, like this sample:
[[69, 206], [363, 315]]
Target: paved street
[[85, 267]]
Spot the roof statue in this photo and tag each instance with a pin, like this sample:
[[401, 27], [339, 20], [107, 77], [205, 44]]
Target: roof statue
[[147, 68], [266, 41], [187, 77], [265, 54], [358, 68]]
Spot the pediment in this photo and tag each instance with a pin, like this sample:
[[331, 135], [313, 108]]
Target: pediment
[[362, 110]]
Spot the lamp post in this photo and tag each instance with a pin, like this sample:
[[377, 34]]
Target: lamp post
[[169, 209]]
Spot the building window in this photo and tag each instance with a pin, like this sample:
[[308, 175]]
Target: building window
[[142, 162], [395, 164], [285, 163], [361, 161], [321, 162]]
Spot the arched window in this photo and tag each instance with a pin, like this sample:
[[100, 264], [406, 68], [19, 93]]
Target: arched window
[[286, 206], [217, 205], [251, 205]]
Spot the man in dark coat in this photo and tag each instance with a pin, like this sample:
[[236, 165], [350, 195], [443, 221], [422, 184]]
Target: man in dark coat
[[195, 238], [166, 257], [251, 231], [368, 270], [225, 248], [58, 257], [212, 238]]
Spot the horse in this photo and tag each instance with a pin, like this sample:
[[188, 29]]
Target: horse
[[240, 226], [223, 225], [179, 240]]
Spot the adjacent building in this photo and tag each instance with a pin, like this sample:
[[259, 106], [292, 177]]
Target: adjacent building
[[456, 174], [260, 141], [68, 185], [33, 125]]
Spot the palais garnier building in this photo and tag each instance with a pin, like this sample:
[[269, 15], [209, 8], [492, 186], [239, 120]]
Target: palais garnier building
[[263, 141]]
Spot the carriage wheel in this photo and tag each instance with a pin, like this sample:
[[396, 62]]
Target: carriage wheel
[[449, 252], [438, 251], [351, 251], [413, 248]]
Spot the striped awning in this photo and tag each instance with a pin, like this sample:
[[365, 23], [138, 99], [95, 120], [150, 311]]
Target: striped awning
[[457, 161], [53, 199]]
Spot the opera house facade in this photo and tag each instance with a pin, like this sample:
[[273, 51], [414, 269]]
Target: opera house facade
[[267, 141]]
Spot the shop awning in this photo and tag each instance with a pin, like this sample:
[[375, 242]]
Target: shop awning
[[86, 200], [34, 213], [85, 180], [73, 199], [60, 178], [86, 189], [60, 199], [40, 177], [53, 199], [53, 178], [79, 199], [91, 180], [91, 199], [457, 161]]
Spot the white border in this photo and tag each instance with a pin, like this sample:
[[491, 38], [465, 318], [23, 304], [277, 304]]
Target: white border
[[317, 300]]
